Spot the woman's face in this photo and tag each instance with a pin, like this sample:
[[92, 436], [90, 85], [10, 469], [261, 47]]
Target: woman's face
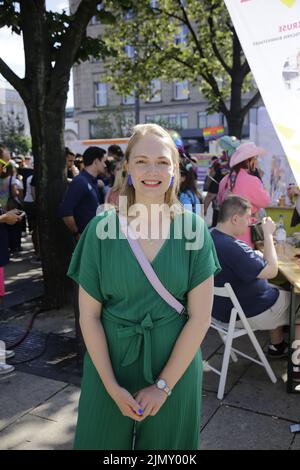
[[253, 163], [151, 167], [5, 155]]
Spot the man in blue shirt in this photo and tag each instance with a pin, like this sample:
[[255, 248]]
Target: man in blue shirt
[[265, 306], [82, 197]]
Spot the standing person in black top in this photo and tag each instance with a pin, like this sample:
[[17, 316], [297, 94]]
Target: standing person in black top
[[214, 177], [115, 152], [72, 169]]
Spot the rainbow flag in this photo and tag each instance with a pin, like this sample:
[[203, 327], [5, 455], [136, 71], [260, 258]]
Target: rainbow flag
[[215, 132]]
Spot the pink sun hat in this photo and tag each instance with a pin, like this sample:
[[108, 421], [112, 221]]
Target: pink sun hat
[[245, 151]]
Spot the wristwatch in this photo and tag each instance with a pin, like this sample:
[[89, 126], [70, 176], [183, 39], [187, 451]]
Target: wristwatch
[[162, 385]]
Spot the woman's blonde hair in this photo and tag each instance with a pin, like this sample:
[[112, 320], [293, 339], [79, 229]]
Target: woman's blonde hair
[[119, 178], [140, 131]]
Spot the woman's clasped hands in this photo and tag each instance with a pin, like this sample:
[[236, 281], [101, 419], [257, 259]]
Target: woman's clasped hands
[[146, 402]]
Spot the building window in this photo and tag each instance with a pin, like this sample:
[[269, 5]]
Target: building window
[[177, 121], [202, 120], [155, 91], [209, 120], [100, 94], [95, 129], [184, 121], [213, 120], [94, 18], [93, 60], [181, 36], [129, 51], [129, 99], [181, 90], [129, 14]]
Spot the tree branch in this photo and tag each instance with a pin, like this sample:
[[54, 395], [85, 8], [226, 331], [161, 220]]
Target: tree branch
[[175, 57], [170, 15], [72, 41], [214, 45], [245, 68], [250, 103], [13, 79]]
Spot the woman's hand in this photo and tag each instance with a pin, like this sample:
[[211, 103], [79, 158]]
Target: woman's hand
[[11, 217], [150, 400], [127, 404]]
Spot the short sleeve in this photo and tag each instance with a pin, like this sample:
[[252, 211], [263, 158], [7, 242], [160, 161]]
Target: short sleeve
[[85, 266], [75, 192], [204, 261], [244, 262]]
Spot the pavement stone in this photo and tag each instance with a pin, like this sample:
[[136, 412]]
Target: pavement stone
[[235, 371], [23, 280], [296, 443], [211, 344], [238, 429], [34, 433], [256, 392], [60, 406], [53, 321], [210, 404], [20, 393]]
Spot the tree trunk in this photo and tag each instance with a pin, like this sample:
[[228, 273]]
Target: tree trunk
[[56, 244], [235, 125]]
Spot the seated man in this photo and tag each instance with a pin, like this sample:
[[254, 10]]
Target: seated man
[[266, 307]]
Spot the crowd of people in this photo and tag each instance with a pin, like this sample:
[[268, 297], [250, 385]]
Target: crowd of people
[[142, 359]]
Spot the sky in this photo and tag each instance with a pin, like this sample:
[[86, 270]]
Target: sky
[[11, 46]]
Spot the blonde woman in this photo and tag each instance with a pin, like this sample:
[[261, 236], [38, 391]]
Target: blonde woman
[[113, 194], [143, 369]]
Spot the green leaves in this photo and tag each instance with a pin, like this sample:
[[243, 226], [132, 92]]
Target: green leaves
[[192, 40], [12, 134], [9, 16]]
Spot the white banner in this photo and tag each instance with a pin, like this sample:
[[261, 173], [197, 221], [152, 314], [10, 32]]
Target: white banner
[[269, 32]]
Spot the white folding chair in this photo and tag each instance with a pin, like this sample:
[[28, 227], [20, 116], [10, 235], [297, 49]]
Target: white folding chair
[[229, 332]]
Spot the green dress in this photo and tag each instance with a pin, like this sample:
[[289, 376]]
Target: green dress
[[141, 331]]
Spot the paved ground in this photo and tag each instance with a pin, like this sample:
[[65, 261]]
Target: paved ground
[[38, 402]]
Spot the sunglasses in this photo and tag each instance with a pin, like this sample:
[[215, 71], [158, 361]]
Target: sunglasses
[[2, 162]]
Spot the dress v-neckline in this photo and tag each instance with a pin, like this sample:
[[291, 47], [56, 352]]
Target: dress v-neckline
[[160, 249]]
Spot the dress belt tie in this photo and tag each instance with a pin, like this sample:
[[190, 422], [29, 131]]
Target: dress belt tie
[[141, 336]]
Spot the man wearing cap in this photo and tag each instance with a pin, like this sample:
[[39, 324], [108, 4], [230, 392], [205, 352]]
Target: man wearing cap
[[241, 182]]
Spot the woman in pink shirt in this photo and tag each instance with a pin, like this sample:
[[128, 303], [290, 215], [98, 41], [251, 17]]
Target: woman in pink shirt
[[240, 182]]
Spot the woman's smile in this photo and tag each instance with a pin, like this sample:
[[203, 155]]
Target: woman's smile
[[151, 183]]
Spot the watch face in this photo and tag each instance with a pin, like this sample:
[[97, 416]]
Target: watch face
[[161, 383]]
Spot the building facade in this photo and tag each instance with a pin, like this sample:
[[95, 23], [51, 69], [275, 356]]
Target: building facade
[[12, 105], [101, 113]]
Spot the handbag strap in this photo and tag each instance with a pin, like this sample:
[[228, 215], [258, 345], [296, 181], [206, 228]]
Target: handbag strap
[[9, 186], [147, 268]]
